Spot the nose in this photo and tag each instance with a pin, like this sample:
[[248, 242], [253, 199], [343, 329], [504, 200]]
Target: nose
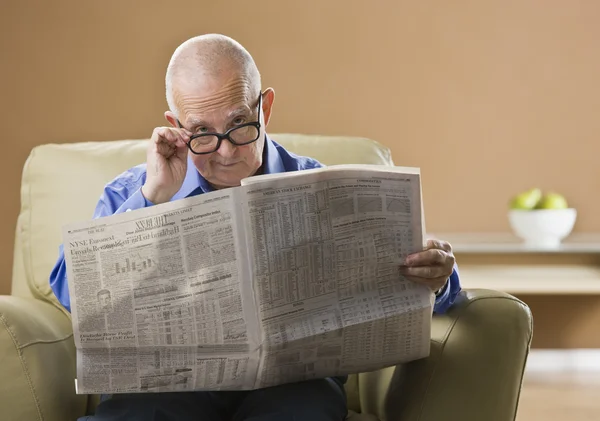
[[227, 149]]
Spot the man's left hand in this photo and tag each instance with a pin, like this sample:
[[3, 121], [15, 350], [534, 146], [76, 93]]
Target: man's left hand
[[431, 267]]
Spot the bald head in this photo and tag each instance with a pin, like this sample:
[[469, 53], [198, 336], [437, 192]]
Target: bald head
[[213, 87], [210, 60]]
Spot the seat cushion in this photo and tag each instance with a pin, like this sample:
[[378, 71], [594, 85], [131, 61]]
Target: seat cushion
[[356, 416]]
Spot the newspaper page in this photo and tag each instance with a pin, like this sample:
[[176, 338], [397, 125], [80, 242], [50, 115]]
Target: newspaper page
[[289, 277], [162, 300], [326, 253]]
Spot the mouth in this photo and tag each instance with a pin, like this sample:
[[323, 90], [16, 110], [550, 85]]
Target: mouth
[[227, 165]]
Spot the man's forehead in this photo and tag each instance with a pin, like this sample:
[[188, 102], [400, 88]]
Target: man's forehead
[[202, 101], [205, 115]]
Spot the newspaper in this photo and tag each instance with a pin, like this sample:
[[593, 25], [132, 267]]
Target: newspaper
[[286, 278]]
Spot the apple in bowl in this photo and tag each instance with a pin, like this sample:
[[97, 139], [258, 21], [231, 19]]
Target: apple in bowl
[[541, 219]]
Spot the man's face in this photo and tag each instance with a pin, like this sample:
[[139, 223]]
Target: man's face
[[216, 105], [104, 300]]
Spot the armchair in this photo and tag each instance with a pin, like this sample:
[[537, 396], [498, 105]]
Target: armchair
[[478, 350]]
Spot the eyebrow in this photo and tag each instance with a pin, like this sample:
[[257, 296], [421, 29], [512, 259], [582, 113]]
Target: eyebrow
[[243, 110], [197, 123]]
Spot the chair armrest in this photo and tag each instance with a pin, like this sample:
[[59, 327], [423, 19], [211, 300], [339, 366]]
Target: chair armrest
[[37, 362], [474, 371]]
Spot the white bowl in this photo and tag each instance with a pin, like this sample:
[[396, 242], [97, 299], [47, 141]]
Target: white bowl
[[542, 227]]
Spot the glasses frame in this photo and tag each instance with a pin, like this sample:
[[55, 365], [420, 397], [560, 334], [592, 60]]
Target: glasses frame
[[226, 135]]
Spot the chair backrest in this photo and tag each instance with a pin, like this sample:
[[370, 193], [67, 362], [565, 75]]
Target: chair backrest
[[62, 183]]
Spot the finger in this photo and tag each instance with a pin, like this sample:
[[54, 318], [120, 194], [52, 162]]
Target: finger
[[434, 284], [165, 142], [171, 135], [186, 131], [184, 139], [426, 272], [182, 148], [182, 133], [179, 140], [157, 135], [438, 244], [427, 258]]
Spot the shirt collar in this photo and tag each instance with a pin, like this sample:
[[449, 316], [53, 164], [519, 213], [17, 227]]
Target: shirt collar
[[194, 183], [272, 162]]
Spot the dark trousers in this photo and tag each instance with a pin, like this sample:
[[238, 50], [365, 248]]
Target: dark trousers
[[315, 400]]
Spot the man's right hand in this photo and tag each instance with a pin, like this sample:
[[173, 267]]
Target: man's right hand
[[166, 164]]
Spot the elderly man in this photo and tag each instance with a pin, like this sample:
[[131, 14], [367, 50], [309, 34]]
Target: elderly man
[[218, 115]]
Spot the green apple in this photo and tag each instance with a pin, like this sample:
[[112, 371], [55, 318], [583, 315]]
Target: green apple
[[526, 200], [552, 201]]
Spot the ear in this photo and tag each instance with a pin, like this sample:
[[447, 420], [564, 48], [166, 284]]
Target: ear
[[171, 119], [267, 104]]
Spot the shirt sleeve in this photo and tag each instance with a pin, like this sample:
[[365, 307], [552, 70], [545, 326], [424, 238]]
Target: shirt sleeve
[[111, 205], [446, 297], [116, 198]]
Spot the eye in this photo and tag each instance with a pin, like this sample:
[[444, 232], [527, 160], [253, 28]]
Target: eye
[[239, 120], [202, 129]]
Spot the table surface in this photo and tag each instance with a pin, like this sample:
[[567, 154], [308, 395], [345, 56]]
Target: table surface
[[522, 278], [509, 243]]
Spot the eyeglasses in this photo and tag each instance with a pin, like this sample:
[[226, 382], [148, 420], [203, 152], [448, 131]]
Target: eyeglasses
[[244, 134]]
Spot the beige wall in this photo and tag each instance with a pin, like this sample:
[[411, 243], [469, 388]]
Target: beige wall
[[486, 97]]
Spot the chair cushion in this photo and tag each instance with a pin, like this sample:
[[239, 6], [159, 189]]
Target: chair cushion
[[355, 416]]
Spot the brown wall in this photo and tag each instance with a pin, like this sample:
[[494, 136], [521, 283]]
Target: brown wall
[[565, 321], [486, 97]]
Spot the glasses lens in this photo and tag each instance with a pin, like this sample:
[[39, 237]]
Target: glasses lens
[[244, 134], [202, 144]]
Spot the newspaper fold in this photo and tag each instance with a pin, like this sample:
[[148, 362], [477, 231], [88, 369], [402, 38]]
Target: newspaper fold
[[288, 277]]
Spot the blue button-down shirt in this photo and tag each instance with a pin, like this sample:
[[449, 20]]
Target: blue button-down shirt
[[124, 194]]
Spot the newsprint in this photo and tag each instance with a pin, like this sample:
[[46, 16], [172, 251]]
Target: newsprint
[[288, 277]]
